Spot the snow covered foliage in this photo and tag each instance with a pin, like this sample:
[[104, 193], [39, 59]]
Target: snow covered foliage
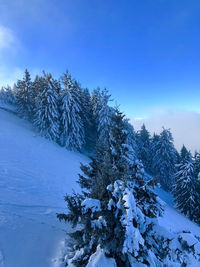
[[144, 147], [72, 128], [104, 116], [187, 188], [96, 102], [7, 95], [88, 121], [184, 189], [197, 165], [99, 259], [120, 225], [124, 227], [139, 172], [164, 159], [122, 154], [131, 139], [102, 113], [25, 96], [114, 159], [185, 155], [197, 186], [46, 112]]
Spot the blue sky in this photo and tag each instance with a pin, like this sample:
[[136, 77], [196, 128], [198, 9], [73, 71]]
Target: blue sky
[[146, 52]]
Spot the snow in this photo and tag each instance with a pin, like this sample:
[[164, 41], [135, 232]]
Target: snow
[[189, 239], [98, 259], [91, 204], [35, 175], [174, 221], [133, 237]]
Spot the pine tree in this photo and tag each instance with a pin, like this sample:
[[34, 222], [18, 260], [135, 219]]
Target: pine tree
[[46, 111], [101, 113], [104, 116], [24, 97], [72, 128], [154, 142], [96, 103], [115, 152], [115, 204], [122, 159], [131, 139], [197, 165], [184, 190], [164, 159], [197, 187], [144, 147], [88, 121], [185, 155]]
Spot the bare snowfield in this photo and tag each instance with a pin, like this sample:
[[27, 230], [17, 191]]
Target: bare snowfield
[[35, 174]]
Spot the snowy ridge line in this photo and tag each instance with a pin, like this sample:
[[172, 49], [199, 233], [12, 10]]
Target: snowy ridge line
[[29, 206]]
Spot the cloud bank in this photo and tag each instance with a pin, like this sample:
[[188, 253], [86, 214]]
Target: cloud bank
[[184, 125]]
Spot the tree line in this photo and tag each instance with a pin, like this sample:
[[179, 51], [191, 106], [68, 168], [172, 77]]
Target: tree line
[[115, 186]]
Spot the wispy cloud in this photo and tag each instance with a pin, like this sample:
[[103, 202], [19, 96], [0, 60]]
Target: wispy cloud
[[7, 38], [9, 49], [185, 126]]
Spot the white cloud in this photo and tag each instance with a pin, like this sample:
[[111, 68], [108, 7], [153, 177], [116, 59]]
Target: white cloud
[[7, 38], [184, 125]]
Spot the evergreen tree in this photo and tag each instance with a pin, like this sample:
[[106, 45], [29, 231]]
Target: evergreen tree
[[24, 97], [154, 142], [144, 147], [185, 155], [72, 128], [101, 112], [184, 189], [122, 159], [115, 152], [88, 121], [164, 159], [104, 116], [112, 211], [131, 140], [96, 103], [197, 186], [197, 165], [46, 110]]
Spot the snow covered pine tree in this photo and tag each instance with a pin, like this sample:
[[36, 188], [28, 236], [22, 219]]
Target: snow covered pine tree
[[164, 159], [184, 189], [144, 148], [24, 97], [72, 127], [46, 114], [187, 186]]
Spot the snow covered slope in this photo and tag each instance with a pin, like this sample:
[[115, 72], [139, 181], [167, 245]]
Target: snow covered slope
[[35, 174], [173, 220]]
